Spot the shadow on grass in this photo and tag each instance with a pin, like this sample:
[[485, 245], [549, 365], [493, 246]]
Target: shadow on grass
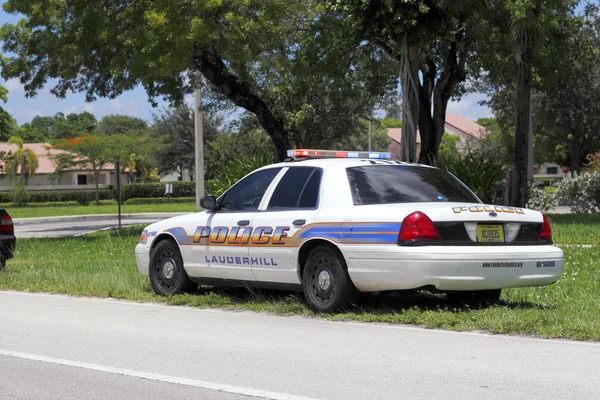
[[378, 304]]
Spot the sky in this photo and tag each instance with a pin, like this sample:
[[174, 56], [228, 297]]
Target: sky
[[135, 102]]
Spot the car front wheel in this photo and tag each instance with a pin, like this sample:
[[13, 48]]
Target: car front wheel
[[325, 281], [167, 275]]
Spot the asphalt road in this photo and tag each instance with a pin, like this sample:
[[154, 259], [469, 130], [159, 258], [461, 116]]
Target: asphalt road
[[74, 226], [78, 348]]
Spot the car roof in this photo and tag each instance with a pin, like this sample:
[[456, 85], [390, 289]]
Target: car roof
[[341, 162]]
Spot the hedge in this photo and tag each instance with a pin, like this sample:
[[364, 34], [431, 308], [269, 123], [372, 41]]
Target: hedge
[[128, 191], [155, 190], [82, 197], [160, 200], [37, 205], [104, 203]]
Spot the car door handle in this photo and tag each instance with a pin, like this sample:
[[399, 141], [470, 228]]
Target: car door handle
[[299, 222], [243, 222]]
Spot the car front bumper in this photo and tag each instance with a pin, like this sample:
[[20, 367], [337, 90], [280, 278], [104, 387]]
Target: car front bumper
[[449, 268], [142, 258]]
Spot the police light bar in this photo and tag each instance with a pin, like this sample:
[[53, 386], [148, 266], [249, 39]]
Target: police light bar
[[304, 153]]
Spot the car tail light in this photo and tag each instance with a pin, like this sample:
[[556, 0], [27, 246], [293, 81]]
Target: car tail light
[[546, 232], [417, 228], [6, 226]]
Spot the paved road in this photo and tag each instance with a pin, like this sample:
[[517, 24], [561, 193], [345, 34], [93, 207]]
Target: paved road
[[74, 348], [71, 228], [79, 225]]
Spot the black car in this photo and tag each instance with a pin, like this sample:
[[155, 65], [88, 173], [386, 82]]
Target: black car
[[7, 238]]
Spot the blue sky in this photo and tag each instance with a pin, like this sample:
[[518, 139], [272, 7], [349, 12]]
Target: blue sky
[[135, 102]]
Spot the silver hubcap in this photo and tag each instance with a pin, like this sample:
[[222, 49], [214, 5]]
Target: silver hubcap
[[324, 280], [168, 269]]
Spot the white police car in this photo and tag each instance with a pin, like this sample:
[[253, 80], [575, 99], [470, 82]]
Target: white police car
[[334, 224]]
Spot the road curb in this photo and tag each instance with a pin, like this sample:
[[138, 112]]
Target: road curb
[[95, 217]]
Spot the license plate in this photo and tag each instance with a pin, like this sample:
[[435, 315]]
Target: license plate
[[490, 233]]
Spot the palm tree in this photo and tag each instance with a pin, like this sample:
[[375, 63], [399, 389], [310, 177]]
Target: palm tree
[[22, 157]]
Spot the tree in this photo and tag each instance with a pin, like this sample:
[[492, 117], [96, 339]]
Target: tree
[[566, 105], [517, 34], [6, 121], [122, 125], [88, 151], [83, 122], [432, 41], [22, 160], [173, 131], [257, 55], [359, 139]]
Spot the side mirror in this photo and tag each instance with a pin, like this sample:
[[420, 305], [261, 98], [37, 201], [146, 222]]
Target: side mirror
[[209, 202]]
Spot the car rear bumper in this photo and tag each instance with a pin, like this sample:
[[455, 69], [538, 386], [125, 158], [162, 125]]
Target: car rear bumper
[[447, 268], [142, 258]]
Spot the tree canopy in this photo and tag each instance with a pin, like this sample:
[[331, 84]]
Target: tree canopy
[[291, 63]]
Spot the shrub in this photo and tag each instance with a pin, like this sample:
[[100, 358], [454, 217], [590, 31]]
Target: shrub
[[580, 192], [38, 205], [103, 203], [159, 200], [485, 177], [82, 197], [231, 172], [153, 190], [539, 199], [20, 195]]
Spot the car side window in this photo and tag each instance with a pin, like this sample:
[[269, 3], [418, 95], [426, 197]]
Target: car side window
[[298, 188], [248, 193]]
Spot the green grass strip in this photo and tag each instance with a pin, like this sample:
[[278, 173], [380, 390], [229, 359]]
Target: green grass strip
[[103, 265]]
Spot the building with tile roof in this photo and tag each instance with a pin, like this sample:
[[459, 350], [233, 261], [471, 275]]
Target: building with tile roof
[[46, 176]]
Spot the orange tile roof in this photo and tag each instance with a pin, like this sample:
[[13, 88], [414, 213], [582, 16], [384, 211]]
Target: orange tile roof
[[465, 125], [456, 120]]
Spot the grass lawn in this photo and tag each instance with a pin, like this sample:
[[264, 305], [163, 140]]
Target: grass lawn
[[33, 212], [102, 264], [575, 228]]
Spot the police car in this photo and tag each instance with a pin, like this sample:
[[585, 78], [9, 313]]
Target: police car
[[333, 224]]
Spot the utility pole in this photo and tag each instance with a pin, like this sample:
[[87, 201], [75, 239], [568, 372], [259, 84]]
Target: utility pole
[[199, 175]]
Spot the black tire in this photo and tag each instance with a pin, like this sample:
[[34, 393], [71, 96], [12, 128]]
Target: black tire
[[167, 275], [477, 297], [336, 290]]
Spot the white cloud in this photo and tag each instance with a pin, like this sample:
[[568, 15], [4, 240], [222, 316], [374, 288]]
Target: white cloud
[[71, 110], [89, 107], [13, 86], [30, 113], [469, 108], [130, 107]]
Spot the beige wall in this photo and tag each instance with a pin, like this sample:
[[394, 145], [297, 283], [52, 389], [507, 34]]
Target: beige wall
[[41, 181]]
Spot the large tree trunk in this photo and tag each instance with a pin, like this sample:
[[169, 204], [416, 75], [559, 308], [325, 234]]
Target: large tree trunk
[[213, 68], [576, 153], [432, 126], [518, 192], [409, 80]]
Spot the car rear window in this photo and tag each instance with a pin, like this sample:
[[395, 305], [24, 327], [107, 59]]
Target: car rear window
[[383, 184]]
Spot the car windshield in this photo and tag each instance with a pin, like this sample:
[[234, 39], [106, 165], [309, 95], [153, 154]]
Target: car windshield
[[383, 184]]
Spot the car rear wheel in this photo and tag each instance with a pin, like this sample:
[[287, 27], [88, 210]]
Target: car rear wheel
[[167, 275], [326, 283], [477, 297]]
